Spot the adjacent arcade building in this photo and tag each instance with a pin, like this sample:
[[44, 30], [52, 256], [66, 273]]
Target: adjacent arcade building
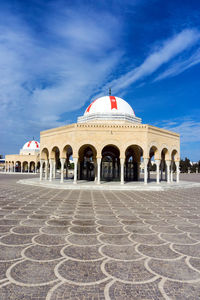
[[28, 159]]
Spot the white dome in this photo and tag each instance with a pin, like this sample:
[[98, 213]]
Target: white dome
[[31, 145], [109, 105]]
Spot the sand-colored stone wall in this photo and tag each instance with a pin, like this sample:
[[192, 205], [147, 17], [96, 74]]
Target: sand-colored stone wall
[[100, 135]]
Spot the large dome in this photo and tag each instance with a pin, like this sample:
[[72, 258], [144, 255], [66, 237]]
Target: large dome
[[109, 105], [109, 109], [31, 145]]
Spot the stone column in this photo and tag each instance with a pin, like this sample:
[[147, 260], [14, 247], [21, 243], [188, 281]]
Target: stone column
[[177, 171], [46, 169], [75, 159], [99, 170], [5, 167], [95, 170], [148, 168], [122, 160], [67, 162], [51, 163], [172, 171], [62, 160], [145, 170], [21, 167], [157, 170], [168, 170], [54, 169], [41, 169], [28, 167]]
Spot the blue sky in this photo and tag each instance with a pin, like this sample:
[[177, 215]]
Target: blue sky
[[57, 56]]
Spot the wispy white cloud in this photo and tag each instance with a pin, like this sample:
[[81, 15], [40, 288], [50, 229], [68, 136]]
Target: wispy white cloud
[[167, 51], [41, 78], [178, 68], [188, 128]]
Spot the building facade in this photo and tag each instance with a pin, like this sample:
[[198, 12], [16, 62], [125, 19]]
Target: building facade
[[108, 143], [28, 160]]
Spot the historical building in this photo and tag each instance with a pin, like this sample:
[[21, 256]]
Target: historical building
[[108, 143], [26, 161]]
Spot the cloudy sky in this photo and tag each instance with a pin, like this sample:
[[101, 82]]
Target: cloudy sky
[[57, 56]]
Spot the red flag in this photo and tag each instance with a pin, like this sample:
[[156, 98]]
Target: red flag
[[113, 102]]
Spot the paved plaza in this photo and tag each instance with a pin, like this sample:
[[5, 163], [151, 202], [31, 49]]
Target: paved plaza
[[92, 245]]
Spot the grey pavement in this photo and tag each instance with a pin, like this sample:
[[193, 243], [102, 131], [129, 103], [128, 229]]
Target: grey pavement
[[86, 244]]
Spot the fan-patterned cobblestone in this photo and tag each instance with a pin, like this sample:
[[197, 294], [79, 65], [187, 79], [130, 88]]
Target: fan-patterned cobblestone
[[112, 245]]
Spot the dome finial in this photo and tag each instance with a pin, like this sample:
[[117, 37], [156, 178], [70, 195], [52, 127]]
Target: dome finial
[[109, 91]]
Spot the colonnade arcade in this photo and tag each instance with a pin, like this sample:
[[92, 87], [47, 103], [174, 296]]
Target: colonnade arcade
[[22, 166], [109, 163]]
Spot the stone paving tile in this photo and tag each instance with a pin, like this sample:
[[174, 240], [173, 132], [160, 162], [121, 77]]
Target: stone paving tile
[[16, 239], [174, 269], [178, 238], [82, 253], [81, 272], [158, 251], [15, 292], [129, 271], [150, 291], [42, 253], [69, 291], [60, 244], [32, 272], [120, 252], [147, 239], [50, 240], [182, 290], [83, 240]]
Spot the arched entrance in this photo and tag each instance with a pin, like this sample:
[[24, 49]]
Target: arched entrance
[[55, 156], [67, 155], [32, 166], [25, 166], [18, 166], [110, 163], [154, 162], [87, 163], [132, 162]]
